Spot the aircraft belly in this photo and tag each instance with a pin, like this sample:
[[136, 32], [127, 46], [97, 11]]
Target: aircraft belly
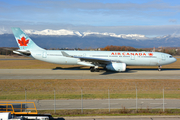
[[154, 63], [58, 60], [142, 62], [71, 61], [65, 60]]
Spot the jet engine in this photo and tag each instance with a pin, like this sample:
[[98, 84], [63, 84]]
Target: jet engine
[[116, 67]]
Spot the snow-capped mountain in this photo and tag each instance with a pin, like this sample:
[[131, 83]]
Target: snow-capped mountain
[[127, 36], [74, 39], [63, 32], [53, 32], [2, 31]]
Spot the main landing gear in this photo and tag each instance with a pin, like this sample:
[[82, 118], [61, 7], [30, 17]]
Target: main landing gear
[[159, 68], [94, 69]]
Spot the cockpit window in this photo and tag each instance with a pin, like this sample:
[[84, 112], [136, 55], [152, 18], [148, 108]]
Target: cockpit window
[[170, 56]]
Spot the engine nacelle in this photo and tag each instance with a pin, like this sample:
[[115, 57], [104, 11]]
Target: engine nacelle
[[116, 67]]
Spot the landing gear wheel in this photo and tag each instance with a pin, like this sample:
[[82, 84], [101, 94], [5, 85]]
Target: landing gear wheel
[[92, 69], [97, 69], [159, 68]]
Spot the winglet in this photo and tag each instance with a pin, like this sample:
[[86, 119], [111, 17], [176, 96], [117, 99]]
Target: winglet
[[65, 54]]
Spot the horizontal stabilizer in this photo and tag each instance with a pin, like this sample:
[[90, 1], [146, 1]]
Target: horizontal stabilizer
[[20, 52], [23, 52]]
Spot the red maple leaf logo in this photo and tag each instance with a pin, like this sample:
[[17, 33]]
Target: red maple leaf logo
[[23, 41], [150, 54]]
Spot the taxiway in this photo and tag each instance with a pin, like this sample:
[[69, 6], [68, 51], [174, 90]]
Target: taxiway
[[86, 74]]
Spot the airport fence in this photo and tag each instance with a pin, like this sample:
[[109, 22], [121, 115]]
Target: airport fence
[[97, 95]]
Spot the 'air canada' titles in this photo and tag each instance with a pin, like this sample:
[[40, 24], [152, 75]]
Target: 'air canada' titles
[[133, 54]]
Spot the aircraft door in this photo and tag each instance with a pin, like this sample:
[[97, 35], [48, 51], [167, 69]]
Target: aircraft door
[[44, 55], [163, 56]]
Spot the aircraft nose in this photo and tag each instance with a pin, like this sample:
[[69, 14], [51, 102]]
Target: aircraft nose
[[175, 59]]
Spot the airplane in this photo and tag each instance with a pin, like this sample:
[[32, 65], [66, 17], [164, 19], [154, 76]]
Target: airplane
[[110, 60]]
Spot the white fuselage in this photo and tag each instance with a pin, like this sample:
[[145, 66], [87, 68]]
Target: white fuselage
[[131, 58]]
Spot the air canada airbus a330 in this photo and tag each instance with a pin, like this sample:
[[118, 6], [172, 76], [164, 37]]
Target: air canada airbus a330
[[110, 60]]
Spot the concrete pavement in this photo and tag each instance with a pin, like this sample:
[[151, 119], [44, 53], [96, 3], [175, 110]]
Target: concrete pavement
[[86, 74]]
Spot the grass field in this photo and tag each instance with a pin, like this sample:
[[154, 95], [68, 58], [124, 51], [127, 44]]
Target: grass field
[[13, 57], [92, 89]]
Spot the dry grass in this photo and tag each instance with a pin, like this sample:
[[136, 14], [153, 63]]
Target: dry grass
[[95, 89], [13, 57]]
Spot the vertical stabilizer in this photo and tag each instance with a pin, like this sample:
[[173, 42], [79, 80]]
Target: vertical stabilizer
[[23, 41]]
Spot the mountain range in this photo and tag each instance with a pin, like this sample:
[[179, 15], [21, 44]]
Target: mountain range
[[74, 39]]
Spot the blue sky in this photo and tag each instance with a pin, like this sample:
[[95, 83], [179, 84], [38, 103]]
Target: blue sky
[[148, 17]]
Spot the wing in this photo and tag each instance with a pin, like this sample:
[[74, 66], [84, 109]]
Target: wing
[[93, 60]]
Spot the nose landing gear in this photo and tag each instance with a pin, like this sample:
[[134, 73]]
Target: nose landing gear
[[159, 68]]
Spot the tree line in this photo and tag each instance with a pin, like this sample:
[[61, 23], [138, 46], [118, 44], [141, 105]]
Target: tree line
[[7, 51]]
